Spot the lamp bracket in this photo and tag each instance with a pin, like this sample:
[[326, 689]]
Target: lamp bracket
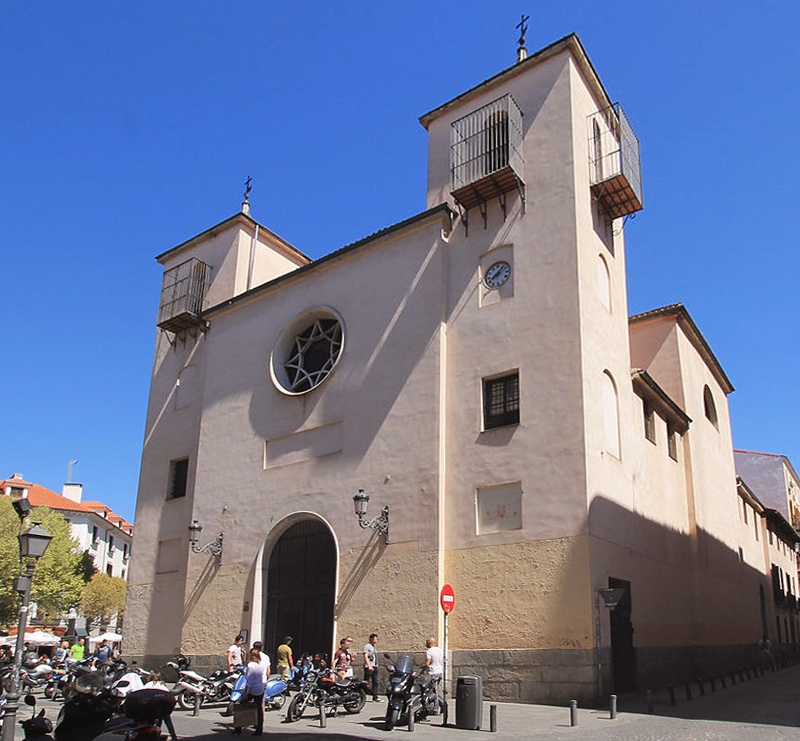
[[379, 524], [214, 548]]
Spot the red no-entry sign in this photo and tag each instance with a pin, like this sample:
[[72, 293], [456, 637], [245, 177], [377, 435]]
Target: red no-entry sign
[[448, 598]]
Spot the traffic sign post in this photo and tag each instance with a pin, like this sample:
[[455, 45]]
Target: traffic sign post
[[447, 599]]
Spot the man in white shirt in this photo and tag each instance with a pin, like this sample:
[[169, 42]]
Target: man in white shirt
[[265, 662], [236, 653], [434, 659]]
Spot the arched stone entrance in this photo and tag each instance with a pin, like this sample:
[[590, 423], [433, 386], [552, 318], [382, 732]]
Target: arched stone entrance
[[300, 586]]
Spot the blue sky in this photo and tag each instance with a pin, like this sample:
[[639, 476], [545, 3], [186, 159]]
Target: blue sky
[[127, 128]]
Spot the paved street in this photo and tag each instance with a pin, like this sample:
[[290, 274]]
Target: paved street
[[763, 709]]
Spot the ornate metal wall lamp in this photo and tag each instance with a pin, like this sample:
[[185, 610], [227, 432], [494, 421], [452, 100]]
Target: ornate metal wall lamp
[[380, 523], [214, 548]]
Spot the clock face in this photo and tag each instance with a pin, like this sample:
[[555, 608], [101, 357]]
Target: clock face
[[497, 274]]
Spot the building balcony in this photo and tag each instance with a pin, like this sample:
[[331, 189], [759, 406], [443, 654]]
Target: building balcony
[[486, 153], [183, 292], [614, 163]]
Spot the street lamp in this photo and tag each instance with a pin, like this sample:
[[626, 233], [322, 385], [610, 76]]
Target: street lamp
[[213, 548], [380, 523], [32, 545]]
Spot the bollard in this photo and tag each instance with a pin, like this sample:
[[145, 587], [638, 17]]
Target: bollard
[[672, 700], [688, 691], [713, 684], [701, 687], [613, 709], [323, 721], [649, 696], [722, 681], [573, 712], [196, 708], [411, 720], [747, 673], [493, 718], [741, 676], [733, 678]]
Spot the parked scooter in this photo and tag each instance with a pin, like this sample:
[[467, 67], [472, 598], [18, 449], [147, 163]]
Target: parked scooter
[[274, 696], [350, 694], [37, 727], [409, 692]]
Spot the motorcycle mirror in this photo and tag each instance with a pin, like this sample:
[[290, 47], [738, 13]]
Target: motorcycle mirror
[[30, 700], [386, 656]]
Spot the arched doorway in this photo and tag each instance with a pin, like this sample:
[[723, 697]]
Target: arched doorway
[[300, 583]]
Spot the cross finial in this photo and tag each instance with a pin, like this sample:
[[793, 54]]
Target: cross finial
[[522, 52], [247, 188]]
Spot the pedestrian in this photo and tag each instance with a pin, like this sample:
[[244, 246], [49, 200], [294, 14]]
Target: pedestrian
[[236, 653], [254, 675], [62, 654], [371, 665], [434, 659], [285, 663], [342, 659], [103, 652], [154, 682], [765, 649], [264, 660], [76, 653]]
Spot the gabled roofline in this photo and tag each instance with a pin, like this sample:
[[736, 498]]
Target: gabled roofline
[[646, 384], [746, 493], [440, 210], [570, 42], [784, 458], [240, 217], [681, 316]]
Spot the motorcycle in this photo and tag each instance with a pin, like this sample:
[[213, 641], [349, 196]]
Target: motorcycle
[[409, 692], [275, 693], [351, 694], [37, 727], [214, 689], [35, 678]]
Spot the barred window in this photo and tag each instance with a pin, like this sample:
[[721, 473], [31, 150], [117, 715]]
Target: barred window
[[501, 401], [178, 475]]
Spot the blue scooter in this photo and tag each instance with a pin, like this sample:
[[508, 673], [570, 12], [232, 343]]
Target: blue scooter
[[274, 696]]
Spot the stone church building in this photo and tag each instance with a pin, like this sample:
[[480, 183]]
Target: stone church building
[[475, 371]]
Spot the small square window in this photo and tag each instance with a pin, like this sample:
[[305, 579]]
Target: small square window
[[501, 401], [178, 475]]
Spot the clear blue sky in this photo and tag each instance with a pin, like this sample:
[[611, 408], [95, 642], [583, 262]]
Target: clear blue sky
[[129, 127]]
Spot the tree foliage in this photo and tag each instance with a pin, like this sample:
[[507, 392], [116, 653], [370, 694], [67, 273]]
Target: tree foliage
[[103, 598], [57, 585], [86, 567], [9, 561]]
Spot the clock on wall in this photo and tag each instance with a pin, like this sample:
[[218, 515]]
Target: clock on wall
[[497, 274]]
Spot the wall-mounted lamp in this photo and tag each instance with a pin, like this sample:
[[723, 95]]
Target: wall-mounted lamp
[[380, 523], [214, 548]]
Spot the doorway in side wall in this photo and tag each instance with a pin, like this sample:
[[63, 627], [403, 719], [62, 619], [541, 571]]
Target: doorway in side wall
[[623, 654], [300, 584]]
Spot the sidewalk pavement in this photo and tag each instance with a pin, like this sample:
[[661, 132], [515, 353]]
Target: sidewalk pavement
[[762, 709]]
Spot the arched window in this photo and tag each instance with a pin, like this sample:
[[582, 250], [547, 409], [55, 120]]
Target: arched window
[[603, 282], [610, 415], [710, 407]]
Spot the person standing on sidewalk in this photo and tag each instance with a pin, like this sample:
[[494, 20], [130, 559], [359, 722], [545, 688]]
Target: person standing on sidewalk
[[285, 662], [254, 673], [371, 665]]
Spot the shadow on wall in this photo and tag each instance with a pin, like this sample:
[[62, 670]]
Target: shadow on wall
[[695, 603]]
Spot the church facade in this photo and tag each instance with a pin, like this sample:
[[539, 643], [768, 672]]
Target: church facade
[[474, 370]]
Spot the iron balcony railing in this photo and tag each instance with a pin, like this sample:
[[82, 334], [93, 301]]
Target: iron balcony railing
[[486, 152], [183, 292], [614, 162]]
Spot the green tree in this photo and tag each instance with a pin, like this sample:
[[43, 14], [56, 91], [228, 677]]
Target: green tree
[[57, 585], [102, 599], [9, 562]]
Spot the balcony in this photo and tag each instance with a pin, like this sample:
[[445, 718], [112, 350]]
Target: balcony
[[614, 164], [486, 153], [183, 291]]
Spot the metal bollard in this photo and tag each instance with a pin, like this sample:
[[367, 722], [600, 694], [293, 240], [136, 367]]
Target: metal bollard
[[411, 720], [713, 684], [688, 691], [722, 681], [493, 718], [701, 686], [672, 700], [573, 712], [649, 696], [323, 721], [196, 708], [612, 712], [733, 678]]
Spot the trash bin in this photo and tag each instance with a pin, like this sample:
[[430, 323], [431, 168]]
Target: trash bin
[[469, 703]]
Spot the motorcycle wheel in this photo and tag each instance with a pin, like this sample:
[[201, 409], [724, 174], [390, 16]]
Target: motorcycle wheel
[[392, 715], [296, 707], [49, 692], [186, 700], [356, 706]]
